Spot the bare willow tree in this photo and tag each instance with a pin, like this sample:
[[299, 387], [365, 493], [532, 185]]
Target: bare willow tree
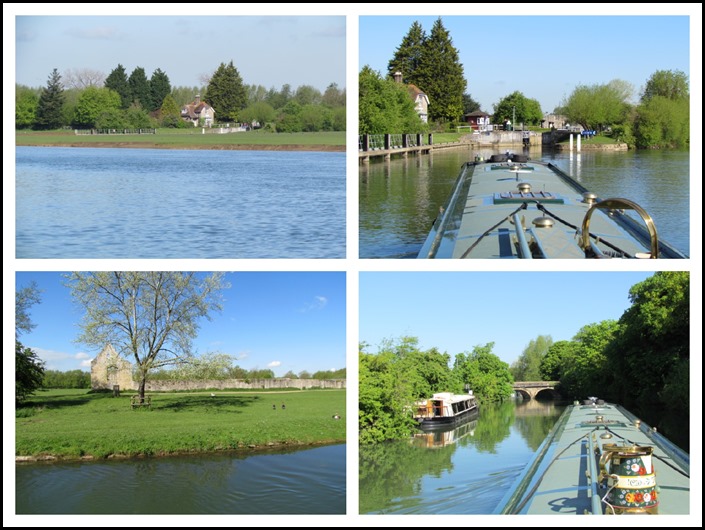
[[150, 317]]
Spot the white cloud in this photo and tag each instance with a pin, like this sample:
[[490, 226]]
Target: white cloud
[[274, 364], [319, 302]]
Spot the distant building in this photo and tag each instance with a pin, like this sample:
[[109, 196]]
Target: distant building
[[555, 121], [478, 120], [199, 113], [418, 96], [109, 369]]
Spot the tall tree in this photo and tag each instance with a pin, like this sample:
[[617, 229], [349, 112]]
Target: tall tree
[[652, 351], [670, 84], [528, 366], [29, 369], [140, 89], [117, 81], [159, 87], [51, 100], [407, 57], [151, 317], [226, 93], [441, 76]]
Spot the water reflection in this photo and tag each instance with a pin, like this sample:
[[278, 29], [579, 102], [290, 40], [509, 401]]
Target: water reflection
[[467, 469], [400, 198], [310, 481]]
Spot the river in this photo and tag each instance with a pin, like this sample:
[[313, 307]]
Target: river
[[309, 481], [399, 199], [81, 202], [466, 470]]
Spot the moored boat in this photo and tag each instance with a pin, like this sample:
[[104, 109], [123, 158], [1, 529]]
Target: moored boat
[[599, 459], [511, 207], [445, 409]]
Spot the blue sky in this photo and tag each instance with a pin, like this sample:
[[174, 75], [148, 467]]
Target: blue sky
[[279, 320], [456, 311], [544, 57], [267, 50]]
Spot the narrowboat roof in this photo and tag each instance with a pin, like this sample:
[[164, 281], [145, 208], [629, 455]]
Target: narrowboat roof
[[564, 476], [511, 207]]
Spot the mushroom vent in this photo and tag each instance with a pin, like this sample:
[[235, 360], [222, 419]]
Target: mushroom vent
[[589, 197], [524, 187], [543, 222]]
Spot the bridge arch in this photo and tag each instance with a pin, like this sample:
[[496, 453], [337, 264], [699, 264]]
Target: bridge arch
[[534, 389]]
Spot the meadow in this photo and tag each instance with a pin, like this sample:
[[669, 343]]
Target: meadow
[[188, 139], [80, 424]]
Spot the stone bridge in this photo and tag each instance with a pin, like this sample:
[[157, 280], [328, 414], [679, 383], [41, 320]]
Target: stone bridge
[[531, 389]]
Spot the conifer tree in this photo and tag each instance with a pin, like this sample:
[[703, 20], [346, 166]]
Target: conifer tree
[[51, 100], [440, 75], [139, 88], [117, 81], [407, 57], [226, 93], [159, 87]]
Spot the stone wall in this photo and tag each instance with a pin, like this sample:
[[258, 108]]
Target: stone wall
[[249, 384], [109, 369]]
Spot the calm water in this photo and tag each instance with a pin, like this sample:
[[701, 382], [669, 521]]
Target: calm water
[[399, 199], [163, 203], [467, 470], [308, 481]]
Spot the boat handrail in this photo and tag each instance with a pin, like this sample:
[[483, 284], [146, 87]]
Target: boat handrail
[[616, 204], [524, 250], [594, 477]]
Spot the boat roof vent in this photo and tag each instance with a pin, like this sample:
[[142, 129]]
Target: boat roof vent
[[519, 197], [543, 222], [589, 197]]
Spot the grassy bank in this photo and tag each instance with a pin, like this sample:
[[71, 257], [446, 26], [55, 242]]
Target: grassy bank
[[189, 139], [75, 424]]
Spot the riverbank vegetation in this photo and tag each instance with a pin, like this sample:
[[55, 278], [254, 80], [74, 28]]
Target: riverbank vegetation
[[86, 99], [641, 361], [430, 65], [399, 374], [73, 424]]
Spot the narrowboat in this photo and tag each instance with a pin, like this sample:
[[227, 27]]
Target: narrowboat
[[510, 207], [445, 409], [600, 459]]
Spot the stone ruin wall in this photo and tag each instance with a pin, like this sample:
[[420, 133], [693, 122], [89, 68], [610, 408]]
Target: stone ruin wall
[[109, 369]]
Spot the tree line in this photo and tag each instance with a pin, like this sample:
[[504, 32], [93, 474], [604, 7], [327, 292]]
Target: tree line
[[151, 318], [660, 119], [118, 101], [641, 361]]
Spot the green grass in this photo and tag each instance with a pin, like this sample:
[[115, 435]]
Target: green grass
[[79, 424], [444, 138], [188, 139]]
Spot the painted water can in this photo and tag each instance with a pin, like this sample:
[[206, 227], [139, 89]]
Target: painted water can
[[631, 480]]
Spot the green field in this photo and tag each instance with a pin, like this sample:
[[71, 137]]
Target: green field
[[189, 139], [79, 424]]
